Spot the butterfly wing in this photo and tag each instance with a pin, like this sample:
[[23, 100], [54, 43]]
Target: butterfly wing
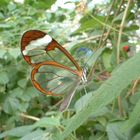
[[37, 46], [53, 79], [50, 75]]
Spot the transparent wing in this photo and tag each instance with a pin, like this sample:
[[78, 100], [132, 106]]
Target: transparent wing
[[54, 79], [37, 47]]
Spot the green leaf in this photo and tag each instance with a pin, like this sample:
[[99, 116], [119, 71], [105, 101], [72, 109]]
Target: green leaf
[[113, 132], [23, 106], [18, 132], [47, 122], [14, 52], [44, 4], [4, 2], [88, 23], [22, 82], [94, 57], [83, 101], [135, 97], [11, 6], [35, 135], [132, 28], [29, 93], [2, 53], [133, 119], [11, 105], [106, 56], [108, 91], [5, 26], [16, 92], [25, 131], [4, 79], [137, 137], [133, 132], [119, 17]]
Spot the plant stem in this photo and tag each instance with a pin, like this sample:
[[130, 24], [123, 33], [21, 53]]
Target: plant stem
[[109, 30], [104, 27], [121, 31], [118, 48], [29, 117]]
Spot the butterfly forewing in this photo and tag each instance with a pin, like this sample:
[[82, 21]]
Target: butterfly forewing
[[38, 47]]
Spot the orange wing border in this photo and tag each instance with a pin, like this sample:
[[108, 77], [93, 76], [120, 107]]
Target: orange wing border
[[35, 34], [54, 64]]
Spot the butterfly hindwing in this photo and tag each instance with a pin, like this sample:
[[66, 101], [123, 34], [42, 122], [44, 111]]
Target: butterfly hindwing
[[53, 79]]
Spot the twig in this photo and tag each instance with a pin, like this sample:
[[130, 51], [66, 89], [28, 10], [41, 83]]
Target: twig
[[104, 24], [91, 38], [133, 90], [101, 41], [134, 86], [109, 30], [121, 112], [106, 36], [29, 117], [121, 31], [86, 39]]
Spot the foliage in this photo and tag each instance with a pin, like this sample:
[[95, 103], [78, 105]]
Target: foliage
[[95, 35]]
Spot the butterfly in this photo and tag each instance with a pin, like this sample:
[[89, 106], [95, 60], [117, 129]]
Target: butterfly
[[54, 70]]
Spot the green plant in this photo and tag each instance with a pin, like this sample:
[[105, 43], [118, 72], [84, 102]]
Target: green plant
[[93, 34]]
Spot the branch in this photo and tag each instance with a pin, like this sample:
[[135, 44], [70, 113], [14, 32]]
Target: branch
[[29, 117]]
